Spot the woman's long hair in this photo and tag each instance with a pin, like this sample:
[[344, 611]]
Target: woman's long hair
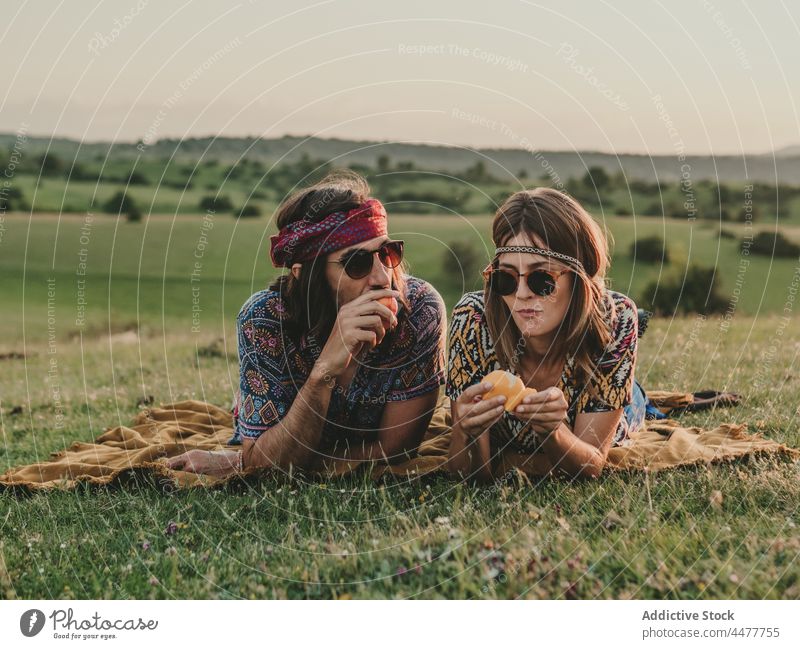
[[310, 301], [563, 226]]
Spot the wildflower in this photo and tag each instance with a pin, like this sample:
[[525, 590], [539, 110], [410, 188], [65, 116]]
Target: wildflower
[[172, 527], [495, 564], [146, 546]]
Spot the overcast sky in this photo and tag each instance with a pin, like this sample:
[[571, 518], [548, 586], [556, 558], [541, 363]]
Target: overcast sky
[[626, 76]]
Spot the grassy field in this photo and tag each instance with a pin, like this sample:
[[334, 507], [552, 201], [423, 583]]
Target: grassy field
[[667, 535], [152, 274]]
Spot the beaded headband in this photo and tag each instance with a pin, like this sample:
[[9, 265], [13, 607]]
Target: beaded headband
[[539, 251]]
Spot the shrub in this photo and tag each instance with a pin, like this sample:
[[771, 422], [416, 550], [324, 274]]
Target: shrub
[[50, 164], [596, 178], [462, 257], [650, 250], [137, 178], [12, 199], [219, 203], [697, 292], [250, 210], [121, 203], [771, 244]]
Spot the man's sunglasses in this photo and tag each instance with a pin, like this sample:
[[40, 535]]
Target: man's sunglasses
[[358, 264], [504, 281]]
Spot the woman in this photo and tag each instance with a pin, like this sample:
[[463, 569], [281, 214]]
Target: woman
[[546, 315]]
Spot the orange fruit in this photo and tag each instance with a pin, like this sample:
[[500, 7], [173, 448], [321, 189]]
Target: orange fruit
[[508, 384]]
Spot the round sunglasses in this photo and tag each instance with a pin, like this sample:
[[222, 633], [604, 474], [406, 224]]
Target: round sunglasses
[[358, 264], [504, 281]]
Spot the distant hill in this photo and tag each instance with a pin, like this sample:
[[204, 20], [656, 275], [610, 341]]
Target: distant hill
[[788, 152], [782, 168]]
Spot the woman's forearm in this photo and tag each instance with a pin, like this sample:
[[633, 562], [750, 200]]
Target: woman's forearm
[[295, 439], [569, 454]]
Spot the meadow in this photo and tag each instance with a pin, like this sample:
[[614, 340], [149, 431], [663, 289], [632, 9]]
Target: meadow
[[717, 531], [152, 274]]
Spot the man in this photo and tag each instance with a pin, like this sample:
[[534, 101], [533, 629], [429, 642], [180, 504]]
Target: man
[[343, 356]]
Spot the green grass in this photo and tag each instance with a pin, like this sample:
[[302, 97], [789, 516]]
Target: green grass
[[352, 538], [140, 273], [624, 535]]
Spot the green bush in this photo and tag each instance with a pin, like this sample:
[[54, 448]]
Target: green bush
[[462, 257], [596, 179], [219, 203], [771, 244], [121, 203], [697, 292], [50, 164], [250, 210], [137, 178], [12, 199], [650, 249]]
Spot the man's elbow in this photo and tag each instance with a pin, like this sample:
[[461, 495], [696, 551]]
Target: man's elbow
[[398, 452], [592, 469]]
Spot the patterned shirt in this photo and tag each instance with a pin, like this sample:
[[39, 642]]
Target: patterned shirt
[[472, 357], [273, 366]]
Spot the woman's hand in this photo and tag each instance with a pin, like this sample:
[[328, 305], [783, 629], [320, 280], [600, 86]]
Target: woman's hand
[[545, 410], [358, 328], [474, 415], [216, 463]]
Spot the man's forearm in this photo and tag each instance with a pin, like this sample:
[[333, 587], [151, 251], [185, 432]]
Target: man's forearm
[[364, 452], [470, 457], [294, 440], [376, 451]]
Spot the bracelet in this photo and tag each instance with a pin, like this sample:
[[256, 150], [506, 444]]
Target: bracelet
[[239, 461]]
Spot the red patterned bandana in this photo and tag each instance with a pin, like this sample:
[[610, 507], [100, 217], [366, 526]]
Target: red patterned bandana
[[303, 240]]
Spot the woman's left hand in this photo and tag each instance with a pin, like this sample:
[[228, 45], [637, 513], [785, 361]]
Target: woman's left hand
[[545, 410], [215, 463]]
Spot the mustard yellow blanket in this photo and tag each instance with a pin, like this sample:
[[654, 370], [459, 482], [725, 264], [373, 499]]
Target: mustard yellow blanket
[[125, 452]]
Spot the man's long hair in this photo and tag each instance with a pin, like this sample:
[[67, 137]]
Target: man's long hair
[[310, 300]]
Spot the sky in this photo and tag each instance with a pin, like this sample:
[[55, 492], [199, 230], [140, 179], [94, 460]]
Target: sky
[[632, 76]]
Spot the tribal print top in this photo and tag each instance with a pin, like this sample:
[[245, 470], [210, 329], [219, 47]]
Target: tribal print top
[[472, 357], [273, 366]]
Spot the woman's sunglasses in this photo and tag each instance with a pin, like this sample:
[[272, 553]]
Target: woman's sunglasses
[[358, 264], [504, 281]]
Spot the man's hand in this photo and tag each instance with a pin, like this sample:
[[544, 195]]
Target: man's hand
[[216, 463], [358, 328]]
